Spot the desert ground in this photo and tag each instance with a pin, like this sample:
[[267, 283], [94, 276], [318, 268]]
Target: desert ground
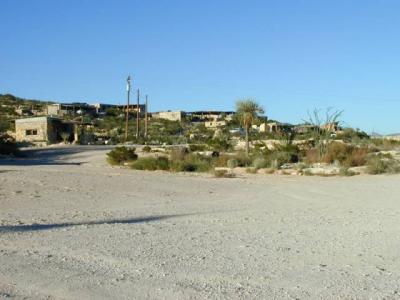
[[72, 227]]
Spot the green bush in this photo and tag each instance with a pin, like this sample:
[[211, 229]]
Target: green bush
[[121, 155], [190, 163], [219, 144], [146, 148], [197, 147], [151, 163]]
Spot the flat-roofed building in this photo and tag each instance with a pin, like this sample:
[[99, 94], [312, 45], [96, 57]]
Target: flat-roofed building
[[168, 115], [44, 130]]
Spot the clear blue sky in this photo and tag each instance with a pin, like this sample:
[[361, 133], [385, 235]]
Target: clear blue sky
[[291, 56]]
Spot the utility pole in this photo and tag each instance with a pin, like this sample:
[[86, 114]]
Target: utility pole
[[145, 119], [137, 115], [128, 90]]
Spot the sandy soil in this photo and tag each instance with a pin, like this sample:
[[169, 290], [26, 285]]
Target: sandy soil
[[72, 227]]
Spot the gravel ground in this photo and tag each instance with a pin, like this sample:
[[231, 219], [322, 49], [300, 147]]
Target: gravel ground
[[72, 227]]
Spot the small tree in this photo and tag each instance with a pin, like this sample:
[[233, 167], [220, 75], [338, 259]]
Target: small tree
[[248, 111]]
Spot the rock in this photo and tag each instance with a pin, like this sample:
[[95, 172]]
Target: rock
[[359, 170], [322, 170]]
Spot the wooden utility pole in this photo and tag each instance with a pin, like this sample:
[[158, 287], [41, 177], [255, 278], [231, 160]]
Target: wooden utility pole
[[128, 90], [137, 115], [145, 120]]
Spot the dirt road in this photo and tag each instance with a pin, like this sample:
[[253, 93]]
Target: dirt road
[[71, 227]]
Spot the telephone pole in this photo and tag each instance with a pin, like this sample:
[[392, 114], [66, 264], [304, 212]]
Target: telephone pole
[[128, 90], [137, 115], [145, 119]]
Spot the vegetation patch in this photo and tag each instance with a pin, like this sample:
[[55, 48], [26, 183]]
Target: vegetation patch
[[223, 174], [121, 155], [151, 163], [381, 164]]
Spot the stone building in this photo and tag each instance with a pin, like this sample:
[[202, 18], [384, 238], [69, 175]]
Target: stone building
[[273, 127], [73, 109], [168, 115], [46, 130]]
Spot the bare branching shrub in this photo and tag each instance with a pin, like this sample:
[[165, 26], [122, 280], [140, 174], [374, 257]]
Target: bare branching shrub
[[321, 132]]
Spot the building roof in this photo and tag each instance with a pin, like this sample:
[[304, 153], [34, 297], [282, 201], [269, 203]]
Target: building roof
[[37, 119]]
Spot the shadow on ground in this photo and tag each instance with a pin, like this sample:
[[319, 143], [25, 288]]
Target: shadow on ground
[[39, 227], [51, 156]]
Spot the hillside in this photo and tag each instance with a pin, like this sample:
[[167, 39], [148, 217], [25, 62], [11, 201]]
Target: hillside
[[12, 107]]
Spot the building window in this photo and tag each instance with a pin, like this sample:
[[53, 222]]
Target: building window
[[31, 132]]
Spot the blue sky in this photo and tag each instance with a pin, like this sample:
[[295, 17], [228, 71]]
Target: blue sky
[[290, 56]]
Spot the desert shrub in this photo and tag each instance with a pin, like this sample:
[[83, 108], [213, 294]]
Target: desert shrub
[[178, 153], [8, 145], [357, 157], [353, 136], [221, 160], [378, 164], [385, 144], [232, 163], [223, 174], [243, 159], [278, 158], [121, 155], [269, 171], [336, 152], [197, 163], [251, 170], [190, 163], [258, 146], [219, 144], [197, 147], [346, 155], [312, 156], [260, 162], [345, 171], [151, 163], [146, 148]]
